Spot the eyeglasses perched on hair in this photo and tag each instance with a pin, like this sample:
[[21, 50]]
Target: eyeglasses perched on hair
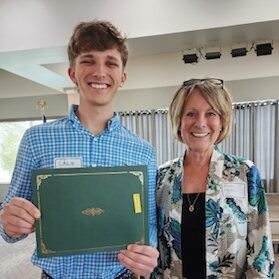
[[215, 81]]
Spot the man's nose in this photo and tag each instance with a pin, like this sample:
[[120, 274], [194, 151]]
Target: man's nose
[[99, 71]]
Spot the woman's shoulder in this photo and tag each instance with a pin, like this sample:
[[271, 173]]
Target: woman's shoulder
[[172, 164], [234, 160]]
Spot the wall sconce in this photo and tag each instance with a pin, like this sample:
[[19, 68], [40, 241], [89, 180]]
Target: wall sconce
[[264, 49], [42, 106]]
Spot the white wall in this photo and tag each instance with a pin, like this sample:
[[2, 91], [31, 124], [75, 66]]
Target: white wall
[[54, 20], [254, 89], [241, 90], [168, 69], [139, 99], [26, 107]]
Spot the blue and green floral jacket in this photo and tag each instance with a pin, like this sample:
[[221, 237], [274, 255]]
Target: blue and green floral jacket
[[238, 237]]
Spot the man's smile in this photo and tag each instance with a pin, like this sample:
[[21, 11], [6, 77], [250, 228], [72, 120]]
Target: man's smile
[[98, 85]]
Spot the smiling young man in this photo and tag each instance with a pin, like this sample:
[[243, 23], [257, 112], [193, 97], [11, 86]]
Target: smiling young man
[[91, 135]]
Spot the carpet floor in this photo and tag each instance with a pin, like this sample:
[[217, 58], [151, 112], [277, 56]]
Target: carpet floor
[[16, 263]]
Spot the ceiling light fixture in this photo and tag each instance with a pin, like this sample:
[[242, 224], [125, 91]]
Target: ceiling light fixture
[[241, 51], [264, 49], [190, 58], [213, 55]]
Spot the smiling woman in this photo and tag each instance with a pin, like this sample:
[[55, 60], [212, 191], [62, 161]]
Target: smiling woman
[[213, 219]]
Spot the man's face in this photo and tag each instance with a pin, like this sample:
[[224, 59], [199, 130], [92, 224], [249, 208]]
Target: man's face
[[98, 74]]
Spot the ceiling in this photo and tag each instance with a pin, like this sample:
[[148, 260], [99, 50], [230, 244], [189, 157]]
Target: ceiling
[[39, 72]]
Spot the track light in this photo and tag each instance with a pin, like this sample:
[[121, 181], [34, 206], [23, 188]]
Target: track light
[[193, 55], [213, 55], [264, 49], [241, 51], [190, 58]]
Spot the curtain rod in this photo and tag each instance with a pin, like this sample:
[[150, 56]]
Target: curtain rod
[[142, 112], [236, 105]]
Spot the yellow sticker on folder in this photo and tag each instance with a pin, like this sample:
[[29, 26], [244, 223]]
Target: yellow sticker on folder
[[137, 204]]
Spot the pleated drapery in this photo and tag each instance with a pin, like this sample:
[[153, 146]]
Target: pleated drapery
[[254, 136]]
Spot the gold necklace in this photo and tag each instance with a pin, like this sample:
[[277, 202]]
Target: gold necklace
[[192, 205]]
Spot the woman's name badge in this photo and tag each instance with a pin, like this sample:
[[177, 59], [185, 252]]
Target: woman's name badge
[[234, 190], [67, 162]]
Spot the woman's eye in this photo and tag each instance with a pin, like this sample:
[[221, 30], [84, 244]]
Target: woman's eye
[[211, 113], [190, 114]]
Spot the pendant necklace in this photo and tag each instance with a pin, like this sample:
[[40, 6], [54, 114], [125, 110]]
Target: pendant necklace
[[192, 205]]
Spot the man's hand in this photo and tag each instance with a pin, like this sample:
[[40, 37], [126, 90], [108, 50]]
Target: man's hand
[[140, 259], [19, 216]]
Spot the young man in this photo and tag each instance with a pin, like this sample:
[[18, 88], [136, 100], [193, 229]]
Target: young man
[[91, 136]]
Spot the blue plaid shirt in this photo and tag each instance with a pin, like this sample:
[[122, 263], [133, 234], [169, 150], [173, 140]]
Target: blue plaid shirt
[[67, 138]]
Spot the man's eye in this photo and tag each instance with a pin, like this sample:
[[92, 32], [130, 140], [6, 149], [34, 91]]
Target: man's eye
[[112, 64], [86, 62]]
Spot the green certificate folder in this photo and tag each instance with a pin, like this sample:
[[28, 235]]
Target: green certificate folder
[[86, 210]]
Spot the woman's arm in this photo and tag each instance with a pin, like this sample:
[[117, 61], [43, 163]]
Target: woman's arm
[[260, 256]]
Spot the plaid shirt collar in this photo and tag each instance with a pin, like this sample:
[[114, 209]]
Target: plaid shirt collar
[[113, 124]]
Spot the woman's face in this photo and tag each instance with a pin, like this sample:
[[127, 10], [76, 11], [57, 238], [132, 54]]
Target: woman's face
[[200, 123]]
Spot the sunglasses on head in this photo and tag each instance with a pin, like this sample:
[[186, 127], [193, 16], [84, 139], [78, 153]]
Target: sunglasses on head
[[215, 81]]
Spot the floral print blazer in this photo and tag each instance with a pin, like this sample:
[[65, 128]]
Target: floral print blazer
[[238, 237]]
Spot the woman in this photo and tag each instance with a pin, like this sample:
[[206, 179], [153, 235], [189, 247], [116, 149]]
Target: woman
[[212, 213]]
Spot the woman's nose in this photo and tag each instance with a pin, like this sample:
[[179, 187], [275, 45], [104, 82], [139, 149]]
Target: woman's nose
[[200, 121]]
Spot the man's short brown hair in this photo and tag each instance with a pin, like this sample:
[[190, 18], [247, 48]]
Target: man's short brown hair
[[96, 35]]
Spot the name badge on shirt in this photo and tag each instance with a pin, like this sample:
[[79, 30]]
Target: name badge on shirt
[[234, 189], [67, 162]]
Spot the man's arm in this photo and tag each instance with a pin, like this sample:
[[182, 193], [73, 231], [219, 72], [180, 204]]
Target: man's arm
[[142, 259], [18, 214], [152, 172]]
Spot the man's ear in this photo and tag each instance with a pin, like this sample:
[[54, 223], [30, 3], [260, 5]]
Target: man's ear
[[72, 75], [123, 79]]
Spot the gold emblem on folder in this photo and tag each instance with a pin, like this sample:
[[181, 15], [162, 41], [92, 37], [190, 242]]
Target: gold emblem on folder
[[92, 211]]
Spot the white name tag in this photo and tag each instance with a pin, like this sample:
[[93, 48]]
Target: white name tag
[[67, 162], [234, 189]]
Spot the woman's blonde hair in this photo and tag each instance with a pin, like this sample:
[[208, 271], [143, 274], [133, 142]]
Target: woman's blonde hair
[[214, 93]]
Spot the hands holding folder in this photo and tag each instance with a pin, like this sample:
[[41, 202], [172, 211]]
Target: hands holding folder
[[140, 259], [19, 218], [90, 211]]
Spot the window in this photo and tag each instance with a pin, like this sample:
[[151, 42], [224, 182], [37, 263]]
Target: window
[[10, 137]]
